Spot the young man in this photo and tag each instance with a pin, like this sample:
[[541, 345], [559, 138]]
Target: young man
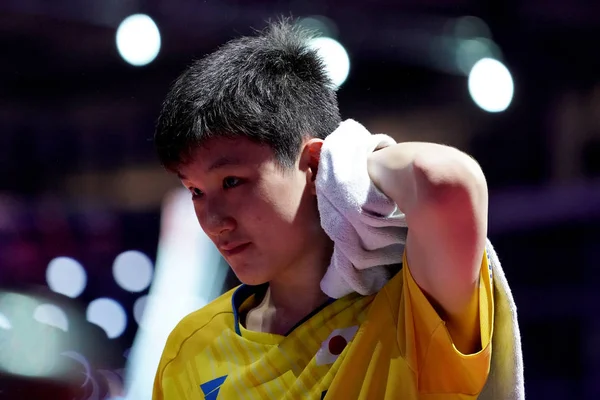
[[243, 130]]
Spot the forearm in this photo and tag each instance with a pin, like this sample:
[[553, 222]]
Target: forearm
[[417, 175]]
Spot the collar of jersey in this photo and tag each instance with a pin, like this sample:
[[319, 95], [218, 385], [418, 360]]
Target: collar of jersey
[[243, 297]]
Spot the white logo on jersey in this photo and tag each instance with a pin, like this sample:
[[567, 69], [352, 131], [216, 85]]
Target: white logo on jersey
[[334, 345]]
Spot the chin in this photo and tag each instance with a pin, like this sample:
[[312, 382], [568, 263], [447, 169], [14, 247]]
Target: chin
[[249, 277], [251, 280]]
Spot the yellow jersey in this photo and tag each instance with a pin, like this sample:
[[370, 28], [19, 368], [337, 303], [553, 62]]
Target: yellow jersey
[[391, 345]]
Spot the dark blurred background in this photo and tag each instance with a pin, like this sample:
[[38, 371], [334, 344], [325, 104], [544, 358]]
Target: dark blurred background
[[94, 234]]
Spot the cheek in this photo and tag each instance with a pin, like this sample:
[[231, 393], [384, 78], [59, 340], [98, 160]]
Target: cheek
[[277, 208], [286, 209], [277, 200], [200, 216], [198, 213], [289, 205]]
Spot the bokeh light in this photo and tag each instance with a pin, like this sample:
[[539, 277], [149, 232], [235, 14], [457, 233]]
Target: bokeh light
[[4, 322], [138, 40], [109, 315], [491, 85], [470, 51], [51, 315], [335, 57], [470, 26], [320, 25], [31, 347], [133, 270], [138, 309], [66, 276]]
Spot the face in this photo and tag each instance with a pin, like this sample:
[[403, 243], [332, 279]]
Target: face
[[262, 218]]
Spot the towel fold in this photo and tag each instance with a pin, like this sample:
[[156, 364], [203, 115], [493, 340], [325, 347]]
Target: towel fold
[[369, 235], [368, 230]]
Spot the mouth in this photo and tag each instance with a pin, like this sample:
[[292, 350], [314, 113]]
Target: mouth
[[232, 251]]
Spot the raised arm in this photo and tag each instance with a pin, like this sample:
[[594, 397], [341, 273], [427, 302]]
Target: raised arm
[[443, 194]]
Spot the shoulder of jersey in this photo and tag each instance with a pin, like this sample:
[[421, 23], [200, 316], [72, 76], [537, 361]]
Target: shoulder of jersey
[[196, 321]]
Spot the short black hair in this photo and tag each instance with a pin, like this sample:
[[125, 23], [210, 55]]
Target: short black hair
[[272, 88]]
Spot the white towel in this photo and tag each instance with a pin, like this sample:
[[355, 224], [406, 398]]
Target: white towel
[[369, 235], [368, 230], [505, 380]]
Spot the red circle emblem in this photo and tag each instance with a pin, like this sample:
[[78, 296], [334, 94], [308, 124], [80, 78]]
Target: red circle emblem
[[337, 344]]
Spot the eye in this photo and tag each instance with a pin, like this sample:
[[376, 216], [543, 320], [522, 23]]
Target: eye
[[196, 193], [231, 182]]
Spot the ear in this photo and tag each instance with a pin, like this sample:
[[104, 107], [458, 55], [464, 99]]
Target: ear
[[311, 154]]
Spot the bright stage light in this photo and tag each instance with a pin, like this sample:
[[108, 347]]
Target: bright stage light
[[51, 315], [133, 270], [30, 348], [139, 307], [66, 276], [5, 322], [109, 315], [335, 57], [491, 85], [138, 40]]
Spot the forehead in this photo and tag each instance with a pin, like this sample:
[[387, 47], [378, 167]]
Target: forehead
[[221, 152]]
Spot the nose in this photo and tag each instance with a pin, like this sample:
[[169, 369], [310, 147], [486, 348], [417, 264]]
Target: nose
[[214, 218]]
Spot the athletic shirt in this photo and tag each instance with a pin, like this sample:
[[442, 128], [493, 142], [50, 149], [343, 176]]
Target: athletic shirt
[[391, 345]]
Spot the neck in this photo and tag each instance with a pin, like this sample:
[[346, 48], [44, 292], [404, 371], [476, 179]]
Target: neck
[[296, 297], [293, 295]]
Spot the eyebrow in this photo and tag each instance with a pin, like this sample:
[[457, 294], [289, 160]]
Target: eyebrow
[[223, 161]]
